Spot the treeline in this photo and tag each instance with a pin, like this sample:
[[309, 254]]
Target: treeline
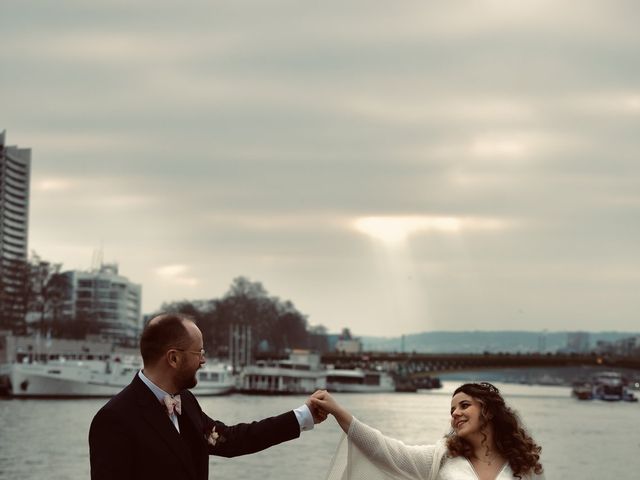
[[32, 294], [34, 301], [276, 325]]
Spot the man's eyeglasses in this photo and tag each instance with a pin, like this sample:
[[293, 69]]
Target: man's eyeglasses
[[202, 353]]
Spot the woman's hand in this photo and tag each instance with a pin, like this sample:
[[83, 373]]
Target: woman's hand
[[324, 401]]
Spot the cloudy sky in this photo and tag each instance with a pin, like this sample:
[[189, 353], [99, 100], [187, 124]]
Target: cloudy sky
[[393, 167]]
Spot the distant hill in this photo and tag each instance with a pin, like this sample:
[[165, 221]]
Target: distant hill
[[482, 341]]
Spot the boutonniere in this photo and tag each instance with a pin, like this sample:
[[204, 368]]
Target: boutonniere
[[212, 437]]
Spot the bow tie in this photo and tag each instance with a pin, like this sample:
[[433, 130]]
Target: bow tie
[[173, 404]]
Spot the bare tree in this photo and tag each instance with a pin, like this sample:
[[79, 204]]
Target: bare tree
[[48, 289]]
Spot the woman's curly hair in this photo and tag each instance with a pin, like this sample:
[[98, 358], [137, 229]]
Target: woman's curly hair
[[511, 439]]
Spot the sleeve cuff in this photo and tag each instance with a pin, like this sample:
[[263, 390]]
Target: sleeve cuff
[[352, 426], [304, 417]]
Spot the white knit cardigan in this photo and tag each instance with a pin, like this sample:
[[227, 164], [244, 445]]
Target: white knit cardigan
[[366, 454]]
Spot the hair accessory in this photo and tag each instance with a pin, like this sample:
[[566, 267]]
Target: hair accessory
[[488, 386]]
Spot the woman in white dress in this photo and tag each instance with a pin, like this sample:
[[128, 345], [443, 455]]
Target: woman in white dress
[[486, 442]]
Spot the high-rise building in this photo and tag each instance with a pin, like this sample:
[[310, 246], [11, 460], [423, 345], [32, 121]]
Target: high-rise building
[[106, 299], [15, 167]]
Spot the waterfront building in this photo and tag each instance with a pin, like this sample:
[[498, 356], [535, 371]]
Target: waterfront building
[[106, 298], [353, 345], [542, 342], [15, 167], [578, 342], [627, 347], [346, 343], [623, 347]]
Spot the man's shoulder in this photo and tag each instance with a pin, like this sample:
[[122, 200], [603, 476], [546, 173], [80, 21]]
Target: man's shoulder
[[115, 418], [121, 400]]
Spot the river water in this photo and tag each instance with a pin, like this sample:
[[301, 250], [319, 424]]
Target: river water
[[580, 440]]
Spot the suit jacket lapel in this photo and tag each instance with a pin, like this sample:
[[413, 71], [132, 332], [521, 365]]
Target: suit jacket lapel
[[190, 413], [156, 416], [191, 425]]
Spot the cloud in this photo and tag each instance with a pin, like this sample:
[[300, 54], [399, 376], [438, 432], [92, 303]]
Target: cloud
[[396, 230], [276, 139], [607, 103], [176, 273], [52, 185], [407, 109]]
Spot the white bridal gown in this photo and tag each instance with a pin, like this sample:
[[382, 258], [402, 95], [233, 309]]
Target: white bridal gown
[[366, 454]]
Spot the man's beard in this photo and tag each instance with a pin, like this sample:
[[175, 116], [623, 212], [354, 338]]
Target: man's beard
[[187, 379]]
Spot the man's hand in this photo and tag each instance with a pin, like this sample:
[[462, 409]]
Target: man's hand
[[323, 401], [318, 414]]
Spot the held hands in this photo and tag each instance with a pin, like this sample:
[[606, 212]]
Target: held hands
[[319, 415], [322, 401]]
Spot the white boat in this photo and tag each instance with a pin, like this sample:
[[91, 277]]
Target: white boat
[[215, 379], [98, 378], [300, 373], [359, 381]]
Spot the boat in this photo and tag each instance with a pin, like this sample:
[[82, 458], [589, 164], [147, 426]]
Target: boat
[[215, 379], [416, 384], [405, 385], [358, 380], [582, 390], [62, 378], [428, 383], [608, 386], [300, 373], [5, 383]]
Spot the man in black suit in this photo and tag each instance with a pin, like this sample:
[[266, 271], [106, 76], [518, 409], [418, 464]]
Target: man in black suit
[[148, 432]]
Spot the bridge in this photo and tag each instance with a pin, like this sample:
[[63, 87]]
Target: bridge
[[421, 365]]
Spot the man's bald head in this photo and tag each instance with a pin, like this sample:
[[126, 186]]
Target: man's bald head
[[161, 333]]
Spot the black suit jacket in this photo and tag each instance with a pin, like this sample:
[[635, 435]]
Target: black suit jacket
[[132, 437]]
